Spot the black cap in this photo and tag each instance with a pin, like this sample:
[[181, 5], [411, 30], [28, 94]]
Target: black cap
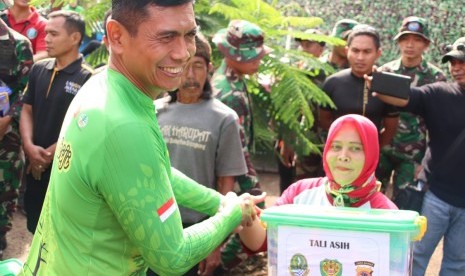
[[456, 50]]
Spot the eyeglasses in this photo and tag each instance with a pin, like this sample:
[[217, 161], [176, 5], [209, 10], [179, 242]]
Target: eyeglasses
[[459, 47]]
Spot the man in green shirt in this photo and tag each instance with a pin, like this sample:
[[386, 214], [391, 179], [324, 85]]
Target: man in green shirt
[[112, 203]]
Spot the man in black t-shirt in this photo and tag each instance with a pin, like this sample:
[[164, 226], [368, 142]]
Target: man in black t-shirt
[[53, 83], [442, 106], [350, 94]]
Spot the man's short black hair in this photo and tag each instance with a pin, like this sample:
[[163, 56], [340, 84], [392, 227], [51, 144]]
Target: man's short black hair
[[130, 13], [73, 21], [105, 19], [363, 29]]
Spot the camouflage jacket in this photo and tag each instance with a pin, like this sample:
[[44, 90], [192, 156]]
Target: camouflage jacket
[[15, 64], [231, 89], [410, 138]]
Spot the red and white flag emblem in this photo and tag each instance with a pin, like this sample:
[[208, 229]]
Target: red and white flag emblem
[[166, 210]]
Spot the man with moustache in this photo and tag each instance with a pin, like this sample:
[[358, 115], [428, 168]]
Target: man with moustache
[[202, 136]]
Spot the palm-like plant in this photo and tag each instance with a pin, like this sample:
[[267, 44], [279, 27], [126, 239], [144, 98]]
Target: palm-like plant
[[290, 101]]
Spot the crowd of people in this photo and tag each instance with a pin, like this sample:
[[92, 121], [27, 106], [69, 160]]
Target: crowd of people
[[109, 163]]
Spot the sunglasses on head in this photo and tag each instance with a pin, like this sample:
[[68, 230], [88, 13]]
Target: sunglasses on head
[[460, 47], [414, 26]]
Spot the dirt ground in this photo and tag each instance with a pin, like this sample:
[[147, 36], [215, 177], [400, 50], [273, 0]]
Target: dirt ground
[[19, 238]]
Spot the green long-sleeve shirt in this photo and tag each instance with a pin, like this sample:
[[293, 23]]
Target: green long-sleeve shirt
[[111, 206]]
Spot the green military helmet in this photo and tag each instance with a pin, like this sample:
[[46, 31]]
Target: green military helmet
[[343, 28], [242, 41], [5, 4], [414, 25]]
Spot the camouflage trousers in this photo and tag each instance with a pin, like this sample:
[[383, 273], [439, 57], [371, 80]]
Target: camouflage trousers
[[11, 165], [402, 165], [232, 252]]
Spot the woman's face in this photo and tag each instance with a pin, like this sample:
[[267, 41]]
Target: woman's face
[[346, 157]]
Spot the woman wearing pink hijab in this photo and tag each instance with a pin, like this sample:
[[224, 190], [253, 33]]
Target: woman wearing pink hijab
[[350, 158]]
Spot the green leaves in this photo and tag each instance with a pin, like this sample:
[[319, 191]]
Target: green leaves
[[290, 103]]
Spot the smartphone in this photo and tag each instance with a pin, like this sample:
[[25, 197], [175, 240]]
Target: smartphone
[[391, 84]]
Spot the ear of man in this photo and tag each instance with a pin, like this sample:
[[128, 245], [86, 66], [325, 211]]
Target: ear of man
[[117, 36], [75, 38], [380, 52]]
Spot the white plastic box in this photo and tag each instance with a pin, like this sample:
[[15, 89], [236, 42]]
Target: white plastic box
[[304, 240]]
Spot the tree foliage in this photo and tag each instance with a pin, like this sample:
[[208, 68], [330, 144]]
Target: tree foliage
[[292, 95], [445, 18]]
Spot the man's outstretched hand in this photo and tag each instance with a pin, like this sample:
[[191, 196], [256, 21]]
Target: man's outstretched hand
[[248, 206]]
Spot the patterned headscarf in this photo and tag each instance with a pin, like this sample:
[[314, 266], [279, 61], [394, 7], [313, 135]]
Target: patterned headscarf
[[365, 185]]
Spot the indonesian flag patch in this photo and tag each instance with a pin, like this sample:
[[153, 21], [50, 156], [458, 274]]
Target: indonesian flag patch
[[166, 210]]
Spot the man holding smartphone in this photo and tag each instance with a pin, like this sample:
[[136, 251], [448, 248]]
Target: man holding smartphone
[[404, 154], [442, 106]]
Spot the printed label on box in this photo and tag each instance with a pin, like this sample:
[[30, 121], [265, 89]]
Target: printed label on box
[[307, 251]]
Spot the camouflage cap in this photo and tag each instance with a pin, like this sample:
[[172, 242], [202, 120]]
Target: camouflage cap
[[241, 41], [343, 28], [309, 31], [414, 25], [5, 4], [456, 50]]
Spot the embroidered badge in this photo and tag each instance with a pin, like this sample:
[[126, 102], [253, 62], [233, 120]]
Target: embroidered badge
[[298, 265], [166, 210], [364, 268], [72, 87], [31, 33], [65, 154], [330, 267], [82, 120]]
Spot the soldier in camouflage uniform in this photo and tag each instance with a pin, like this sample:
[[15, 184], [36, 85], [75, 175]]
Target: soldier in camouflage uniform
[[337, 58], [292, 166], [311, 165], [242, 46], [15, 62], [403, 156]]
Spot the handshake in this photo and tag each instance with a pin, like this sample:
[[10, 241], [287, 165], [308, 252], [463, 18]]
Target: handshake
[[247, 202]]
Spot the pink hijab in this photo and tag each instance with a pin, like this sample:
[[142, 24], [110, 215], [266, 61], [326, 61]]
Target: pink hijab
[[365, 185]]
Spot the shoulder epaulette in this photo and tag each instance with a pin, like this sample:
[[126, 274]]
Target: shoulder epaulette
[[88, 68]]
